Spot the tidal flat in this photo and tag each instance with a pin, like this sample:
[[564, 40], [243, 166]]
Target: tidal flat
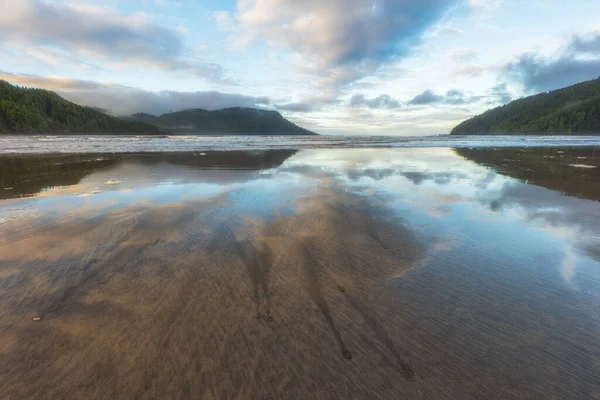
[[390, 273]]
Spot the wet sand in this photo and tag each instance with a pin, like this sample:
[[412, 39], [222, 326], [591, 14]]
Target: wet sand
[[341, 298]]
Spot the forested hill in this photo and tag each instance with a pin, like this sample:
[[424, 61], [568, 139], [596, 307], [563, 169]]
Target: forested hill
[[24, 110], [572, 110], [235, 120]]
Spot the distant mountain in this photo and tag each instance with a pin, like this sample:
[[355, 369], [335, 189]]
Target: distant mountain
[[143, 117], [24, 110], [571, 110], [236, 120]]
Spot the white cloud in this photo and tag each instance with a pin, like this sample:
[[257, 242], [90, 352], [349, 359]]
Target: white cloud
[[336, 42], [100, 33], [578, 61], [485, 4]]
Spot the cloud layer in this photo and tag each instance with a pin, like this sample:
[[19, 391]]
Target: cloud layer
[[100, 33], [427, 97], [383, 101], [339, 40], [579, 61], [126, 100]]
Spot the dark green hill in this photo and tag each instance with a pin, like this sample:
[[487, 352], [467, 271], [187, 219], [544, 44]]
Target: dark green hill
[[143, 117], [571, 110], [24, 110], [236, 120]]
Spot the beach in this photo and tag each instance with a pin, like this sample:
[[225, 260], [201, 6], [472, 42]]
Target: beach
[[413, 273]]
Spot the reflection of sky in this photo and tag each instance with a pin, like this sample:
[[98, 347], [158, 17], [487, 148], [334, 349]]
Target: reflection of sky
[[454, 202], [242, 191]]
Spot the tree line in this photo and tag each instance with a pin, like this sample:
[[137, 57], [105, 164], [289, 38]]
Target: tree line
[[26, 110], [571, 110]]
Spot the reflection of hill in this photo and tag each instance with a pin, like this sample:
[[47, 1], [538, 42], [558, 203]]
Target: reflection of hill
[[547, 167], [239, 159], [28, 175]]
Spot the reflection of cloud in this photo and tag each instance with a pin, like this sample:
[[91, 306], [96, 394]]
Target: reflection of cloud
[[568, 265], [447, 198], [432, 209], [572, 220], [444, 245], [553, 208], [592, 248], [441, 178], [373, 173], [433, 182], [439, 211]]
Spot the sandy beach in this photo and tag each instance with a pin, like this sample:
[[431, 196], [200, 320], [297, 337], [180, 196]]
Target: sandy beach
[[323, 288]]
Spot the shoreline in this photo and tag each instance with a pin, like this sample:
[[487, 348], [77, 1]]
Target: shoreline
[[29, 145]]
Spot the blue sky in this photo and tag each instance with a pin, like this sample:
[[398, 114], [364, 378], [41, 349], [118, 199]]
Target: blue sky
[[393, 67]]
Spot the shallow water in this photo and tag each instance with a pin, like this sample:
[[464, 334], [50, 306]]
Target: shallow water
[[327, 273]]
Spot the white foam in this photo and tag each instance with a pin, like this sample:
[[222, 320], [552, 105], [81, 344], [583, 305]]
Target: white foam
[[90, 192], [582, 166], [120, 144]]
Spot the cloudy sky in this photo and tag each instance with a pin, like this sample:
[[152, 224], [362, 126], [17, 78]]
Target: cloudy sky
[[399, 67]]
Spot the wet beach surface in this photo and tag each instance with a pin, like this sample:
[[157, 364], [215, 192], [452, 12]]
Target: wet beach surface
[[292, 274]]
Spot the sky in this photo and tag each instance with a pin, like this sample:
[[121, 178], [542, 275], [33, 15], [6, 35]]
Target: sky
[[368, 67]]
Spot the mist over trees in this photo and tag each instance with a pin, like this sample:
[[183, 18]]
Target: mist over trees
[[25, 110]]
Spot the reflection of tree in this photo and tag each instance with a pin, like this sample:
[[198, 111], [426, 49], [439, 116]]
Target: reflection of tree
[[239, 159], [28, 175], [548, 167]]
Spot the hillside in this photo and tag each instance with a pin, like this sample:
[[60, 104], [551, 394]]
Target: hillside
[[236, 120], [24, 110], [571, 110], [142, 117]]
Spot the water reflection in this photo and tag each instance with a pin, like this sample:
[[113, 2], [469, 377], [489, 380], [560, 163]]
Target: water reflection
[[539, 188], [468, 271], [23, 176], [436, 190], [26, 176], [572, 171]]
